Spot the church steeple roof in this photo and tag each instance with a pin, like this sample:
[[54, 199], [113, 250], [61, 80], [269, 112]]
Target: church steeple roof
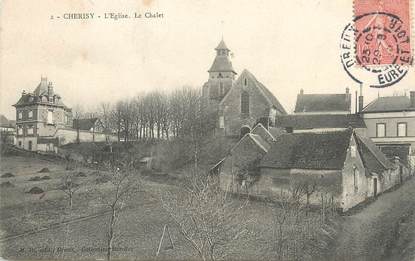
[[222, 62], [222, 46]]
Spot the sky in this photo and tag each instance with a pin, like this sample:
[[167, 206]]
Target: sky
[[287, 45]]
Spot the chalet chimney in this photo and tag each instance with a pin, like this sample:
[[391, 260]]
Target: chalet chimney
[[23, 92], [301, 91], [347, 90], [412, 97], [43, 81]]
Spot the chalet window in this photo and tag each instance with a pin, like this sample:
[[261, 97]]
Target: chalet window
[[30, 114], [244, 103], [221, 122], [221, 89], [19, 130], [30, 130], [50, 117], [402, 129], [380, 130], [20, 143], [20, 115]]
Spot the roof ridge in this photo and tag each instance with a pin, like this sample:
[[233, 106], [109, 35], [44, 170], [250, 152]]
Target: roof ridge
[[363, 140]]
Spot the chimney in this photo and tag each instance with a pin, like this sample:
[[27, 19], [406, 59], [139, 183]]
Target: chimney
[[347, 90], [23, 92], [412, 98], [361, 99], [301, 91]]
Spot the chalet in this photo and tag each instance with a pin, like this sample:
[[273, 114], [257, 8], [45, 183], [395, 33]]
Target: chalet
[[344, 165], [236, 102], [44, 122], [390, 124]]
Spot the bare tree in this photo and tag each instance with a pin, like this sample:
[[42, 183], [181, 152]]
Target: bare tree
[[123, 183], [207, 218], [70, 185], [78, 112]]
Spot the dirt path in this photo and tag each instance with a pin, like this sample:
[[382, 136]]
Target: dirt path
[[371, 233]]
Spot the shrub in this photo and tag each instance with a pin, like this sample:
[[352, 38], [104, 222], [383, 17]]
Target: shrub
[[36, 178], [7, 184], [7, 175], [36, 190], [45, 177], [44, 170]]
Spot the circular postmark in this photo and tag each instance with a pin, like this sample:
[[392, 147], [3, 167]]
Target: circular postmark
[[375, 49]]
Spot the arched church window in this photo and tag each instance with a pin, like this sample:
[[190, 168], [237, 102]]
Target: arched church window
[[245, 102], [245, 82]]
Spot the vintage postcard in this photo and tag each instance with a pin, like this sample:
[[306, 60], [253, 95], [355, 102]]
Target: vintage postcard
[[207, 130]]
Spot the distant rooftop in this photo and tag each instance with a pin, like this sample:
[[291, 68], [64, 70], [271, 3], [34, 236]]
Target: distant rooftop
[[322, 102], [389, 104]]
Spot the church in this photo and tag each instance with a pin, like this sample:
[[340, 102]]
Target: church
[[235, 101]]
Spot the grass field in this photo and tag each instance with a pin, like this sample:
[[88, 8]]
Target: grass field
[[139, 229]]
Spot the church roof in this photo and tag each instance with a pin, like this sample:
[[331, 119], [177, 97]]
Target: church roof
[[222, 46], [273, 101]]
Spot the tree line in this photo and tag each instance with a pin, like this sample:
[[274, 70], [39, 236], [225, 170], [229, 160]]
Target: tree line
[[154, 115]]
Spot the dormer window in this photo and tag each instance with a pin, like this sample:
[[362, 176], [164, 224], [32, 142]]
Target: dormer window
[[30, 114]]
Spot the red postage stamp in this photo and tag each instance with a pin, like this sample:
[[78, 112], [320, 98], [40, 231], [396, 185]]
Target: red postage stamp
[[382, 32]]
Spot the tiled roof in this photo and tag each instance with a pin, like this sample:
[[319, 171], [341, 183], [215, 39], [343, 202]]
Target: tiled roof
[[260, 130], [316, 121], [222, 63], [391, 103], [308, 151], [373, 159], [322, 102], [84, 124]]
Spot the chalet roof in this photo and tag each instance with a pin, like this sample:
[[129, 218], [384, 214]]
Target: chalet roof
[[314, 121], [322, 102], [84, 124], [308, 151], [389, 104], [39, 94]]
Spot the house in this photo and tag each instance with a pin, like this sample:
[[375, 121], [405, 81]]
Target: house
[[39, 115], [390, 124], [323, 103], [7, 130], [44, 122], [242, 161], [346, 167], [236, 102]]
